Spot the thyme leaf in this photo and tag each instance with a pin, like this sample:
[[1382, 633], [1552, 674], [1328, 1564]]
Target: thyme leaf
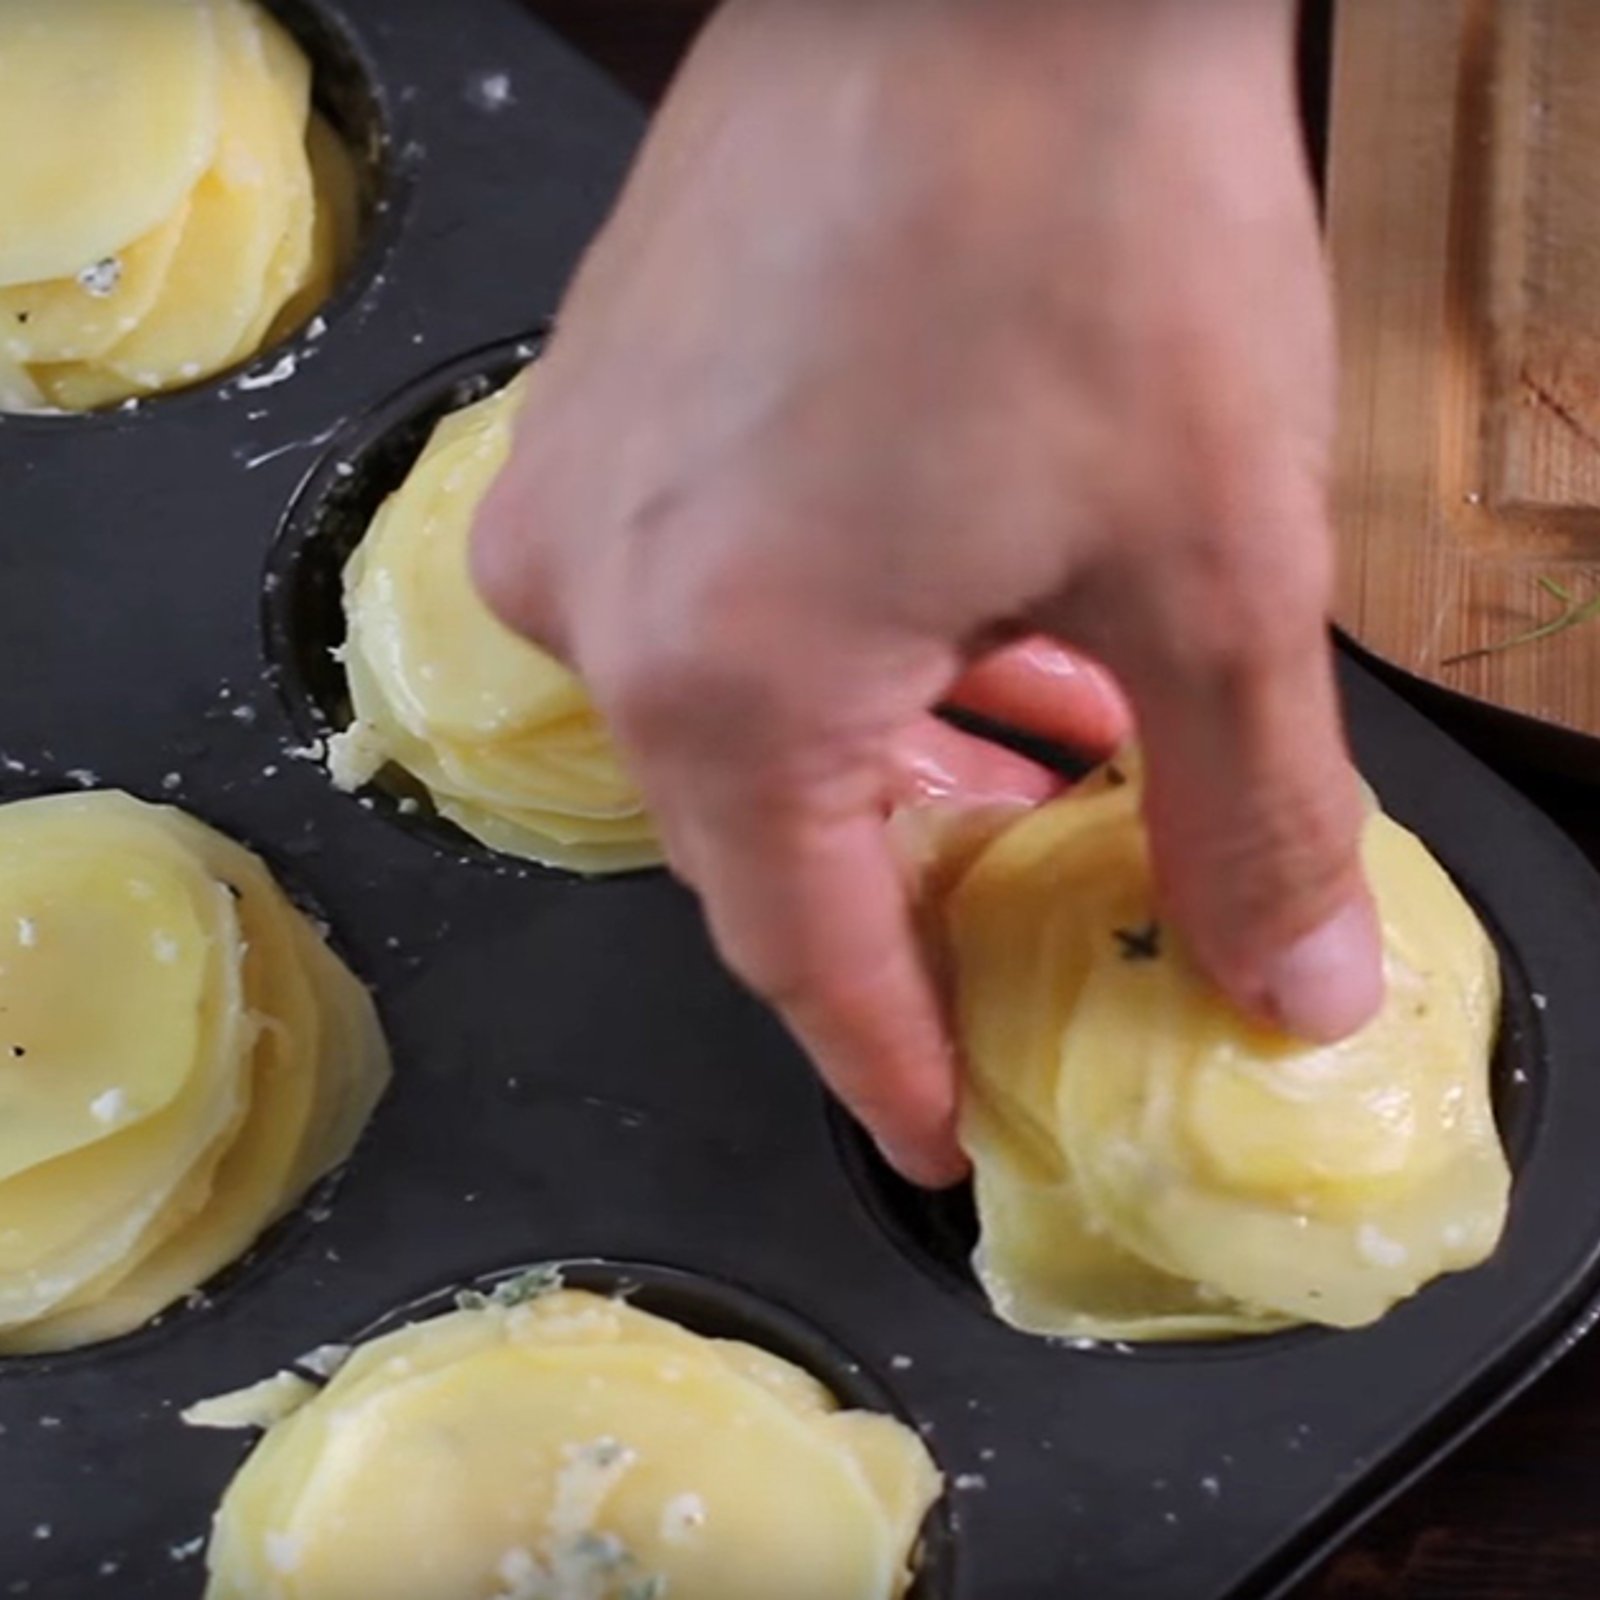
[[1576, 613]]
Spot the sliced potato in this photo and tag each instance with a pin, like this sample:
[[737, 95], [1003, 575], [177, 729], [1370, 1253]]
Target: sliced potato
[[77, 319], [501, 735], [1149, 1165], [579, 1443], [227, 1061], [108, 116]]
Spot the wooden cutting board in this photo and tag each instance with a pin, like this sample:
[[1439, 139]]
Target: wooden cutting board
[[1464, 213]]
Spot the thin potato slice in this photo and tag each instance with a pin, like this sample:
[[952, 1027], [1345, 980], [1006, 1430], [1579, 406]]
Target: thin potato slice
[[335, 230], [289, 78], [572, 1442], [108, 116], [73, 319], [230, 1060], [1149, 1165], [317, 1070], [61, 1229], [501, 735], [239, 212]]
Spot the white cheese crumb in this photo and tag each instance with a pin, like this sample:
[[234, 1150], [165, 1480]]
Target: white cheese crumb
[[682, 1516], [283, 1553], [100, 279], [165, 948], [281, 372], [49, 1422], [491, 91], [188, 1550], [1378, 1249], [516, 1568], [1211, 1485], [43, 1530], [1540, 1001], [244, 714], [971, 1483], [109, 1568], [27, 932], [902, 1363], [173, 780]]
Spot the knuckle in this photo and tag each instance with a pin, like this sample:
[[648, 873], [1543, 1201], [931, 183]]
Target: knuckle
[[1289, 861]]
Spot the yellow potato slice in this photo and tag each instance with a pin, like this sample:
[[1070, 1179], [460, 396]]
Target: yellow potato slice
[[237, 219], [501, 735], [18, 391], [71, 1073], [68, 1219], [108, 116], [289, 75], [229, 1057], [318, 1068], [572, 1442], [335, 227], [1149, 1165], [73, 319]]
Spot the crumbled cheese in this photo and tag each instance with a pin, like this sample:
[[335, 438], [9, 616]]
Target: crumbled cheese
[[491, 91], [109, 1108], [355, 757], [682, 1516], [43, 1530], [1378, 1249], [27, 932], [188, 1550], [101, 278], [902, 1363], [281, 372], [164, 948], [283, 1553], [971, 1483]]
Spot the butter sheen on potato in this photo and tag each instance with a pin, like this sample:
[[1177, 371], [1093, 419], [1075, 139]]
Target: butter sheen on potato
[[1148, 1164]]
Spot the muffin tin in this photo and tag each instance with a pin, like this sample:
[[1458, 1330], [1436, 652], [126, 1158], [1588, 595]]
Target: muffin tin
[[577, 1079]]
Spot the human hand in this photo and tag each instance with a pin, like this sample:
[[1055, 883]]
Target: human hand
[[921, 325]]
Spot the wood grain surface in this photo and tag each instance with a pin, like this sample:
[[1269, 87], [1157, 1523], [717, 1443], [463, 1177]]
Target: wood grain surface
[[1464, 214], [1515, 1515]]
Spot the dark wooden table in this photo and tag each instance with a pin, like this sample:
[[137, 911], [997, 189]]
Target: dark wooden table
[[1515, 1515]]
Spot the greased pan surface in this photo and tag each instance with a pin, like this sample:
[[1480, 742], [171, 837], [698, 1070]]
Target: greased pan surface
[[576, 1077]]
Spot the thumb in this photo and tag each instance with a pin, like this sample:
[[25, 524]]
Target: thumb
[[1255, 814]]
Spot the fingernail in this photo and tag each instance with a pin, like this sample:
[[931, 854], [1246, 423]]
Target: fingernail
[[1330, 983]]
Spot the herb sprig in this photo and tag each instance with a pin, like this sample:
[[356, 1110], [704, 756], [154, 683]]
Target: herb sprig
[[1576, 613]]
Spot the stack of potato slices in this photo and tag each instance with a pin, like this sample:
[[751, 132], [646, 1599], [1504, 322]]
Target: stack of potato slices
[[569, 1447], [502, 737], [171, 201], [181, 1058], [1150, 1165]]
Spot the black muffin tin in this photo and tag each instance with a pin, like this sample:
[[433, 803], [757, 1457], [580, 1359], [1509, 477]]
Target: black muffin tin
[[576, 1078]]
